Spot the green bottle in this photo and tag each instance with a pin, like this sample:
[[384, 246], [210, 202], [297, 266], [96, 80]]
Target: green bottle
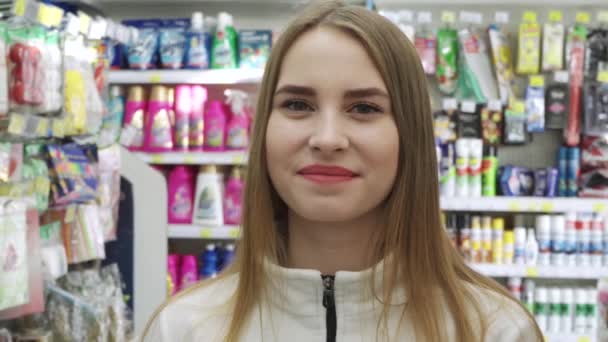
[[224, 51]]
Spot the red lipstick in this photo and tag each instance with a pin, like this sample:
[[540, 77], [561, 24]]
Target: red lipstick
[[327, 174]]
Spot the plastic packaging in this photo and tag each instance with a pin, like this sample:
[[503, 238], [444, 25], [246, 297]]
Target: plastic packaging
[[529, 45], [556, 105], [208, 197], [475, 162], [142, 50], [197, 56], [108, 191], [491, 122], [519, 256], [237, 130], [580, 313], [26, 72], [228, 255], [254, 48], [426, 44], [112, 120], [4, 94], [469, 120], [591, 311], [567, 300], [515, 125], [447, 60], [133, 127], [172, 43], [475, 54], [554, 321], [181, 197], [553, 42], [173, 263], [233, 201], [509, 247], [503, 62], [188, 272], [224, 52], [531, 248], [528, 295], [535, 104], [183, 110], [215, 124], [576, 46], [158, 133], [210, 262], [198, 119]]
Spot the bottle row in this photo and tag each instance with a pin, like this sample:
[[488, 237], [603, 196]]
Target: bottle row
[[204, 199], [164, 118], [186, 270], [559, 240], [559, 309]]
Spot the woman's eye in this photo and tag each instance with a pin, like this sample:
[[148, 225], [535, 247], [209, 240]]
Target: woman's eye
[[297, 106], [365, 108]]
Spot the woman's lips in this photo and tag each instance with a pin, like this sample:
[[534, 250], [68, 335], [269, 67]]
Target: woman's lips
[[327, 174]]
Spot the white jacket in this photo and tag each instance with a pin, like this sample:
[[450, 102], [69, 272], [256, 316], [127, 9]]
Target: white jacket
[[294, 312]]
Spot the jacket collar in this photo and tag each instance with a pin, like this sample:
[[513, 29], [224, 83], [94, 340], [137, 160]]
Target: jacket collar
[[300, 291]]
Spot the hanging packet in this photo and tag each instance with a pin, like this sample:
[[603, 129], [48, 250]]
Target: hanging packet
[[577, 37], [447, 55], [13, 254], [596, 54], [444, 122], [172, 43], [535, 104], [556, 102], [143, 49], [529, 45], [502, 57], [515, 124], [26, 74], [491, 122], [425, 42], [108, 190], [4, 100], [469, 120], [596, 108], [553, 42], [254, 48]]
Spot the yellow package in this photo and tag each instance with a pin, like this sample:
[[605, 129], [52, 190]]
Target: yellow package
[[75, 103], [528, 58]]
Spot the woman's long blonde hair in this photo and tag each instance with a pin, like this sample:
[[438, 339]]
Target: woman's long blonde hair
[[414, 234]]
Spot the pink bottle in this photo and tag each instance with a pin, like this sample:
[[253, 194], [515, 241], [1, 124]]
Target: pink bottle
[[215, 125], [189, 271], [158, 133], [173, 269], [237, 132], [183, 109], [197, 117], [233, 200], [181, 195], [132, 135]]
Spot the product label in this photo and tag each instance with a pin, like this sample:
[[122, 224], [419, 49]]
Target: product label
[[540, 309], [237, 138], [182, 132], [197, 52], [207, 207], [161, 130], [233, 210], [215, 135], [182, 203], [196, 131]]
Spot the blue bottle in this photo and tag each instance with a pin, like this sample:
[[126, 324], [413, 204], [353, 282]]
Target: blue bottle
[[227, 256], [209, 262], [562, 188], [197, 56], [574, 166]]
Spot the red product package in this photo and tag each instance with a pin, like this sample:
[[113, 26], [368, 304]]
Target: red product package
[[576, 41]]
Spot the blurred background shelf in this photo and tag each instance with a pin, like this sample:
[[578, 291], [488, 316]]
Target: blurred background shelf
[[195, 158], [547, 272], [227, 76], [188, 231], [525, 204]]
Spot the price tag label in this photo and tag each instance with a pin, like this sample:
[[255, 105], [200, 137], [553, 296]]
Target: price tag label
[[468, 106], [70, 214], [448, 17], [16, 124], [531, 272], [583, 17], [238, 159], [555, 16], [518, 106], [514, 206], [450, 103], [529, 16], [599, 207], [157, 158], [561, 76], [43, 127], [584, 339], [501, 17], [495, 105], [533, 206], [547, 207], [234, 232], [189, 159], [602, 76], [155, 78], [19, 8], [206, 233], [537, 81]]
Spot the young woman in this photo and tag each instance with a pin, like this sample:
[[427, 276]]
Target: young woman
[[342, 239]]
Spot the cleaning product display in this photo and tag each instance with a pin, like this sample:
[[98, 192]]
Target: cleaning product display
[[59, 179], [183, 118], [199, 42], [186, 270], [506, 97], [572, 240]]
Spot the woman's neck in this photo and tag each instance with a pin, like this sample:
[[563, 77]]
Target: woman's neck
[[331, 246]]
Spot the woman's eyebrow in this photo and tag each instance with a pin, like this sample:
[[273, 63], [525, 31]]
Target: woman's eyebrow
[[296, 90], [365, 92]]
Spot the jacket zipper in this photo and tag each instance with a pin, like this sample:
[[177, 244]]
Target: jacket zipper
[[329, 302]]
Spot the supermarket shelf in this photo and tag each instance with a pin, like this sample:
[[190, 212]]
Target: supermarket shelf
[[187, 231], [565, 337], [195, 158], [539, 3], [228, 76], [525, 204], [548, 272]]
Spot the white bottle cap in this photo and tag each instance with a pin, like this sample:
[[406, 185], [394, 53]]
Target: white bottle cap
[[230, 247], [520, 235], [224, 19], [580, 296], [543, 224], [514, 282], [197, 20], [555, 295], [529, 285], [567, 295], [116, 91], [531, 233], [210, 247], [571, 216], [540, 295], [558, 222]]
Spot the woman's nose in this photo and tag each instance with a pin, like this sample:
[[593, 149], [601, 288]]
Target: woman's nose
[[328, 134]]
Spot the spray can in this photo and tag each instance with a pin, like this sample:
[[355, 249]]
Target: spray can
[[462, 167], [580, 313], [209, 261], [558, 239], [509, 247], [554, 310], [591, 311], [475, 161], [571, 258], [519, 256], [596, 247], [583, 225], [498, 225], [486, 239], [541, 307], [476, 240], [528, 295], [573, 171], [562, 188], [489, 170], [543, 228], [567, 310], [514, 284], [447, 170], [465, 238]]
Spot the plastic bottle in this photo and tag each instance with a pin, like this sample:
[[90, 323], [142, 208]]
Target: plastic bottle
[[183, 109], [228, 255], [597, 241], [224, 51], [531, 248], [541, 307], [476, 239], [543, 228], [112, 121], [173, 269], [489, 171], [573, 171], [498, 225], [554, 310], [197, 56], [563, 172], [198, 118], [158, 133], [208, 197], [215, 124], [567, 310], [528, 295], [462, 167], [509, 247], [465, 238], [132, 135], [209, 261], [181, 196], [605, 247], [519, 254], [486, 239], [591, 311], [580, 314], [233, 201], [475, 161], [189, 274], [571, 238], [237, 131], [558, 240], [514, 284], [583, 239]]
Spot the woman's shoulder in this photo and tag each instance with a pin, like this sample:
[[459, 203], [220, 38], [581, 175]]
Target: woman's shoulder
[[506, 320], [201, 309]]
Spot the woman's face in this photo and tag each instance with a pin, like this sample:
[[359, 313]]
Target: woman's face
[[332, 144]]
